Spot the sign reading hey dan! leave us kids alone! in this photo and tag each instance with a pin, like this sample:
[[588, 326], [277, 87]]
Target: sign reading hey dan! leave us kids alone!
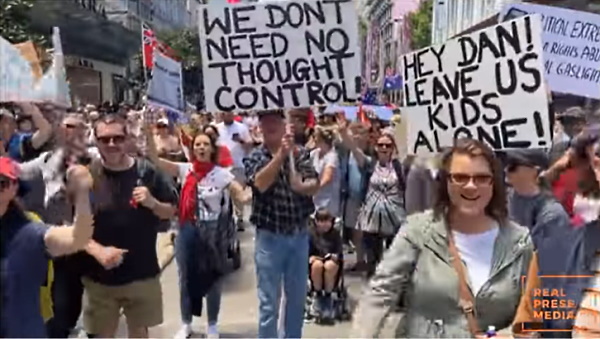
[[281, 54], [488, 85]]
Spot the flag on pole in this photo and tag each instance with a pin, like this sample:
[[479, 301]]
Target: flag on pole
[[149, 43]]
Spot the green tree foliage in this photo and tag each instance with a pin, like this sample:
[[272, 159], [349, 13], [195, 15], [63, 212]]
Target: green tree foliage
[[186, 45], [420, 25], [15, 22]]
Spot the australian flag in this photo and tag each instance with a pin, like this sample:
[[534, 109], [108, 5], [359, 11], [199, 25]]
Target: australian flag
[[392, 82], [370, 96]]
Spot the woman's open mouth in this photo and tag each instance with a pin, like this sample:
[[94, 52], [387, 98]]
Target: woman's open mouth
[[469, 198]]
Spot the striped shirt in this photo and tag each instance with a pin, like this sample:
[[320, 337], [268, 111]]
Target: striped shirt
[[587, 321]]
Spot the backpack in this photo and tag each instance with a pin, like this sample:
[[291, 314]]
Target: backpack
[[97, 171]]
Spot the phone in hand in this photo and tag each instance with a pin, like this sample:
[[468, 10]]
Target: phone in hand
[[328, 256]]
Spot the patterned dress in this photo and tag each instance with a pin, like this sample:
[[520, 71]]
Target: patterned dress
[[383, 211]]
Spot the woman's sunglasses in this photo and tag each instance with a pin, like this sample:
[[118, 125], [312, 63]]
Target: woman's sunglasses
[[384, 145], [118, 139], [464, 179]]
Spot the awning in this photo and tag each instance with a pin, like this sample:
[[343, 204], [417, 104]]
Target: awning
[[85, 33]]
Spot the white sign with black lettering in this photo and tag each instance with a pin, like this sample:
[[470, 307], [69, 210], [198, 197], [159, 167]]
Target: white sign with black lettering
[[488, 85], [571, 47], [281, 54], [165, 87]]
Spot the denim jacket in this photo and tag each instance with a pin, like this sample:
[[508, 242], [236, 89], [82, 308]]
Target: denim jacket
[[417, 273]]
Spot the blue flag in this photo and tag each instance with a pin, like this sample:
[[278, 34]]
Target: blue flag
[[392, 82]]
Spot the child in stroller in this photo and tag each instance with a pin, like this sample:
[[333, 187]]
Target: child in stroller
[[325, 264]]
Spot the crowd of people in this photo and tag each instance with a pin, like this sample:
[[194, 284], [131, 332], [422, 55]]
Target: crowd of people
[[443, 239]]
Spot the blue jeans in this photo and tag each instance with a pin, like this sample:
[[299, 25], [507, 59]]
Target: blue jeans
[[186, 235], [281, 259]]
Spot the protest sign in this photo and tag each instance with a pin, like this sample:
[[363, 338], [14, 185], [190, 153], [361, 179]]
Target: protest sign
[[165, 88], [30, 54], [18, 81], [280, 54], [571, 44], [487, 85], [16, 78]]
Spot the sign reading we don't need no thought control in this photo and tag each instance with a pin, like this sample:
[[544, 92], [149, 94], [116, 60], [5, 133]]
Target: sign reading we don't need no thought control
[[279, 54], [488, 85]]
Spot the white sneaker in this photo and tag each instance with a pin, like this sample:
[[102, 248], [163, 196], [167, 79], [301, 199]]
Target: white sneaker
[[184, 332], [212, 332]]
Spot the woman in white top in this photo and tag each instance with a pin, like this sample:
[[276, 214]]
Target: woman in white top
[[200, 244], [457, 270], [325, 162]]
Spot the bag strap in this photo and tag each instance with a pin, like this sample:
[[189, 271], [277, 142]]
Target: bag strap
[[467, 300]]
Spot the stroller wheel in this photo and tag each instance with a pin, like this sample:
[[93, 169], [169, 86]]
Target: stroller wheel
[[237, 256]]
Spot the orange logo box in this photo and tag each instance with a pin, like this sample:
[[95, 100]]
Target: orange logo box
[[559, 308]]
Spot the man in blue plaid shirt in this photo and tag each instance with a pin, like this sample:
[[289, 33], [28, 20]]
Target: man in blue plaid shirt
[[282, 204]]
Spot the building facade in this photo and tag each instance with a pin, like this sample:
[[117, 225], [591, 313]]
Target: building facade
[[388, 36], [100, 37]]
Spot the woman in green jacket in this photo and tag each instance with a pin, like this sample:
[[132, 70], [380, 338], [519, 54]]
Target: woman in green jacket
[[438, 295]]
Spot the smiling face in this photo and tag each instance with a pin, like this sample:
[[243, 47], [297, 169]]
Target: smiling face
[[203, 148], [111, 139], [470, 184], [384, 148]]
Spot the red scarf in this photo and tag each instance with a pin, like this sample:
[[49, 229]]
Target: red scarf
[[189, 196]]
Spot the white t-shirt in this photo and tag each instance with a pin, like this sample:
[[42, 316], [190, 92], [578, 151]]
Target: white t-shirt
[[477, 251], [328, 196], [226, 133], [587, 208], [212, 190]]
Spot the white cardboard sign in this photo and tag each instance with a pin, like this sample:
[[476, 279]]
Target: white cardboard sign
[[488, 85], [279, 54], [571, 47], [165, 88]]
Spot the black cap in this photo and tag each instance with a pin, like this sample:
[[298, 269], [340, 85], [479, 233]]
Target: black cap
[[267, 112], [527, 157], [574, 113]]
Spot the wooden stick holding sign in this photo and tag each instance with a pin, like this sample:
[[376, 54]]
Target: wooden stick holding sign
[[288, 130]]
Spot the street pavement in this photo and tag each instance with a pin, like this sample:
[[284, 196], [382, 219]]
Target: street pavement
[[239, 304]]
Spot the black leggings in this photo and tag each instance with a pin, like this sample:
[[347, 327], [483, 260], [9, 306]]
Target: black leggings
[[373, 247], [67, 294]]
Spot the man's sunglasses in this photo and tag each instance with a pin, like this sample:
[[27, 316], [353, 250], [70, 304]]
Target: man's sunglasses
[[118, 139]]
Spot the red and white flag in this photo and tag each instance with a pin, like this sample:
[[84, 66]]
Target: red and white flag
[[149, 43]]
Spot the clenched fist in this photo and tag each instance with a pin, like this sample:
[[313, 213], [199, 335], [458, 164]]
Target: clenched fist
[[142, 196], [79, 178]]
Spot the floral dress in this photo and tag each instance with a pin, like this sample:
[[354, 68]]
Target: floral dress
[[383, 211]]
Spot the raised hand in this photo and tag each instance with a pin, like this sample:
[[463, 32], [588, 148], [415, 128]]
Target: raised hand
[[79, 178]]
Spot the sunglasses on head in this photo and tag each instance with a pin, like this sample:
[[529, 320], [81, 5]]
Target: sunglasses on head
[[117, 139]]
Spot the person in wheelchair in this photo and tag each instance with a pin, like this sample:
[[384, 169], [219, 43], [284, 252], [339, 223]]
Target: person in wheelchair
[[325, 260]]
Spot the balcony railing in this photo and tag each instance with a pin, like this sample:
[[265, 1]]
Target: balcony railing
[[92, 6]]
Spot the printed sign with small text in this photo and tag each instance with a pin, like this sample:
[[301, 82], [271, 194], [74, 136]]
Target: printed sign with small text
[[282, 54], [571, 41], [488, 85]]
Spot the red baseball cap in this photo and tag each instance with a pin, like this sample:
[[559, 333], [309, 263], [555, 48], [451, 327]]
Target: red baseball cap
[[9, 168]]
